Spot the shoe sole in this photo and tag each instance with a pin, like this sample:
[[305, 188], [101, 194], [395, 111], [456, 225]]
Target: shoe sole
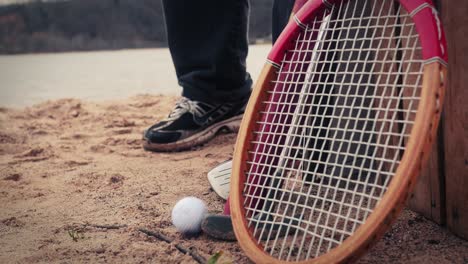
[[230, 125], [220, 227]]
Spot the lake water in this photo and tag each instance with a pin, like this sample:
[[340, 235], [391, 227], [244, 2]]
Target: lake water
[[96, 76]]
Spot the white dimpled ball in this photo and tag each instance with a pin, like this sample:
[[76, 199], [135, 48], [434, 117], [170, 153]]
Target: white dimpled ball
[[188, 214]]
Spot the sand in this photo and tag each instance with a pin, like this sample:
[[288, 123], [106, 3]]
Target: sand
[[76, 186]]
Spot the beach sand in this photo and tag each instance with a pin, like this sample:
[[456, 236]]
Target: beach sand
[[76, 186]]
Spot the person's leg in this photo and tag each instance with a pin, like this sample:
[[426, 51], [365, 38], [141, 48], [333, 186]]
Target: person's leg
[[208, 44], [281, 12]]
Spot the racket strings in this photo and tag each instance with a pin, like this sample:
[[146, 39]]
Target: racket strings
[[271, 119], [312, 183], [272, 134]]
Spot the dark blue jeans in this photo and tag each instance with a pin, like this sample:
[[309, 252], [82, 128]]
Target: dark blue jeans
[[209, 46]]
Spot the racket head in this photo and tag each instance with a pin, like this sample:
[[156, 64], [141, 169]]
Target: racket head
[[254, 150]]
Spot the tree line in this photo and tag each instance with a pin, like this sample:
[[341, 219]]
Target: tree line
[[44, 26]]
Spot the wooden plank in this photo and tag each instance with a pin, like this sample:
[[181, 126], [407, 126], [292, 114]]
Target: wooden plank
[[426, 197], [455, 20]]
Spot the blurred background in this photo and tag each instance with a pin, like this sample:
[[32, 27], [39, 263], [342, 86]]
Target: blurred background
[[104, 49], [52, 26]]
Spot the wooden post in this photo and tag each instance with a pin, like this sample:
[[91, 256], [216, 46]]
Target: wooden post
[[429, 193], [455, 119]]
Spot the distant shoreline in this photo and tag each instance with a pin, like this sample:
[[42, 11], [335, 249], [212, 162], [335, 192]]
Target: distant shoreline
[[260, 41]]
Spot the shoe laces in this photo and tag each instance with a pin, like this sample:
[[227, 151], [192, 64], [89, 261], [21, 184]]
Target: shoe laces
[[185, 105]]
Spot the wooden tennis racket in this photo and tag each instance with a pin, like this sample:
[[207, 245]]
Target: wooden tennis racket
[[337, 129]]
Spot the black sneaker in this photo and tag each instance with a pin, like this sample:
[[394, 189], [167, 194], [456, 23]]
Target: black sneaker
[[193, 123]]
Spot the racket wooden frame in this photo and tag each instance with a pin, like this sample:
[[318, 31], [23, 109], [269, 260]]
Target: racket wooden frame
[[414, 158]]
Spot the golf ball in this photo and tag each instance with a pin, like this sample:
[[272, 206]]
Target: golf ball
[[187, 215]]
